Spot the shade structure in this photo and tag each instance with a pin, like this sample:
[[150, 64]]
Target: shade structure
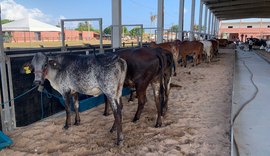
[[238, 9], [29, 24]]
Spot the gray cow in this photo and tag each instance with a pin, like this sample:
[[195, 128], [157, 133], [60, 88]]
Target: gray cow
[[91, 75]]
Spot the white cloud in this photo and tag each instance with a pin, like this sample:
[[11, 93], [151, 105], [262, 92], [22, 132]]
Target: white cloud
[[14, 11]]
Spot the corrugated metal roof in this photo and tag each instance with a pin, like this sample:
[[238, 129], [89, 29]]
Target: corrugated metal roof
[[238, 9]]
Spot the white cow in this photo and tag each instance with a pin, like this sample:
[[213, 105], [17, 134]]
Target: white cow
[[207, 49], [267, 47]]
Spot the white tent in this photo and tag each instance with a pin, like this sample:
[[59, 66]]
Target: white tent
[[29, 24]]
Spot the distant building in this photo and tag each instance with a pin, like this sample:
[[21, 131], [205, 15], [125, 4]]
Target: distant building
[[31, 30], [243, 30]]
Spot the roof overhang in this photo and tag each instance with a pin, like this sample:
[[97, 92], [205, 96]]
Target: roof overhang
[[238, 9]]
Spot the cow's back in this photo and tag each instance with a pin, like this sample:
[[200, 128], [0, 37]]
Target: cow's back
[[78, 72], [142, 63]]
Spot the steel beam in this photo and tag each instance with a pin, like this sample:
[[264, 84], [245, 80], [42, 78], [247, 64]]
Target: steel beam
[[117, 21], [200, 16], [160, 21], [181, 19], [191, 35], [6, 118], [205, 20]]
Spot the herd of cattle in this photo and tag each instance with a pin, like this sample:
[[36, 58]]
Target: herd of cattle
[[107, 73]]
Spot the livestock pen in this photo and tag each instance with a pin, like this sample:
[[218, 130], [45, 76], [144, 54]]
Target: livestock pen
[[197, 121]]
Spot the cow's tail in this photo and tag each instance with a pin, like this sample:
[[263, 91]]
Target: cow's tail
[[162, 64], [172, 64]]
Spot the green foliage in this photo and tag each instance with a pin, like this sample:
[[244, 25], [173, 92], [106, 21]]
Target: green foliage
[[174, 28], [136, 31], [85, 27], [107, 30], [4, 21], [7, 37], [196, 27], [125, 30]]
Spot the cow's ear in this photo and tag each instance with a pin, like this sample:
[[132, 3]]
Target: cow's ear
[[26, 68], [54, 64]]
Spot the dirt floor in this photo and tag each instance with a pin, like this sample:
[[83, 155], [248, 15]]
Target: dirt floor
[[197, 122]]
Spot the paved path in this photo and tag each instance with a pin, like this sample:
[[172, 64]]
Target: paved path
[[251, 129]]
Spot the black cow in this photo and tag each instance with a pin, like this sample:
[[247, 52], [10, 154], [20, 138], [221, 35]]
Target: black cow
[[72, 74], [148, 66]]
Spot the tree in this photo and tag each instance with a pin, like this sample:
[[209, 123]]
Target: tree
[[107, 30], [136, 31], [125, 30], [196, 27], [86, 26], [174, 28], [4, 21]]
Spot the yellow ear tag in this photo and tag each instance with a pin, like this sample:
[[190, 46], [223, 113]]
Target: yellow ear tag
[[27, 70]]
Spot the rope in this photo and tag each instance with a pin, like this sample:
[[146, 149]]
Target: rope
[[19, 96], [50, 95]]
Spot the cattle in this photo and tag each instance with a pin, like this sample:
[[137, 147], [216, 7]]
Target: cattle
[[86, 74], [223, 42], [207, 50], [171, 47], [215, 46], [190, 48], [148, 66]]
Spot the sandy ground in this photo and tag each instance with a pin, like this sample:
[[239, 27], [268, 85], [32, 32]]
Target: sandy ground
[[197, 122]]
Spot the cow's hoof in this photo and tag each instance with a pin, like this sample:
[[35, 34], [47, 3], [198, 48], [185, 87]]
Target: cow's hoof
[[174, 74], [77, 123], [106, 114], [119, 143], [158, 125], [112, 129], [130, 99], [120, 140], [135, 119], [65, 127]]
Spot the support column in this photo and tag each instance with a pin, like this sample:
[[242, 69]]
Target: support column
[[215, 28], [212, 24], [160, 21], [205, 20], [116, 23], [6, 118], [200, 16], [181, 19], [191, 35], [209, 21], [218, 25]]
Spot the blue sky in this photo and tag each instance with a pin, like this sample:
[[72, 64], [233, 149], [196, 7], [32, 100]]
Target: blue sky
[[133, 11]]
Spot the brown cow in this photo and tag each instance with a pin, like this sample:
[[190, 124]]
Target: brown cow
[[223, 42], [148, 66], [215, 46], [190, 48], [171, 47]]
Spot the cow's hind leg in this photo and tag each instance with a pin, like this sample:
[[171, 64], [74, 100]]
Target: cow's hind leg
[[76, 108], [117, 113], [67, 107], [156, 92], [167, 82]]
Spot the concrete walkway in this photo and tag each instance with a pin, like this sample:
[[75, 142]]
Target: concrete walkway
[[251, 105]]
